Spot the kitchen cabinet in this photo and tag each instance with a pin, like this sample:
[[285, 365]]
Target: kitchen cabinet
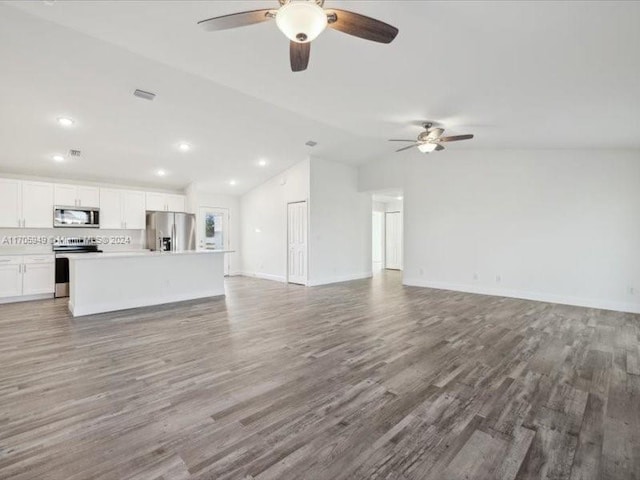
[[77, 196], [27, 275], [165, 202], [10, 277], [122, 210], [156, 202], [133, 210], [10, 203], [26, 204], [37, 205], [38, 274], [176, 203]]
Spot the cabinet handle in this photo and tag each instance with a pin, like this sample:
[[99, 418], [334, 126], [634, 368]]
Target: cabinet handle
[[24, 268]]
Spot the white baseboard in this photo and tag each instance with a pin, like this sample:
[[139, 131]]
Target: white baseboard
[[264, 276], [525, 295], [26, 298], [340, 279]]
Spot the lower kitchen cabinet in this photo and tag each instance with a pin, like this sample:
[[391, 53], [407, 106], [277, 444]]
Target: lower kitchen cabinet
[[23, 276], [10, 277], [38, 275]]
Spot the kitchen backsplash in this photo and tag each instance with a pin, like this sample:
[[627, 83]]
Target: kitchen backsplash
[[36, 241]]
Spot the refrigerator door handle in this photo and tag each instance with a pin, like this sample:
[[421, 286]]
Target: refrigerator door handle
[[173, 238]]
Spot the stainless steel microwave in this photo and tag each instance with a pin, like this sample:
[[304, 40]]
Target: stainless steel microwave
[[76, 217]]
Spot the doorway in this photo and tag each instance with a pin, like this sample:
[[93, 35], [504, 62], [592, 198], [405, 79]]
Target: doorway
[[213, 231], [393, 240], [297, 243], [377, 241]]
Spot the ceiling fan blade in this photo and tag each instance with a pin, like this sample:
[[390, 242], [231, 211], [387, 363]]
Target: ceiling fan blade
[[235, 20], [439, 148], [396, 140], [455, 138], [361, 26], [299, 54], [407, 148]]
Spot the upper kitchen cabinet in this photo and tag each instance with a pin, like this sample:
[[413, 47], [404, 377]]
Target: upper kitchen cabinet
[[37, 205], [122, 209], [176, 203], [133, 210], [26, 204], [77, 196], [165, 202], [10, 203]]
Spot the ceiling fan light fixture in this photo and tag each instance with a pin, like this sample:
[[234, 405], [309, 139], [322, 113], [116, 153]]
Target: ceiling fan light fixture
[[301, 20], [427, 147]]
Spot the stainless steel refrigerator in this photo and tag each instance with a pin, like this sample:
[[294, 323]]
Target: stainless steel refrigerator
[[171, 232]]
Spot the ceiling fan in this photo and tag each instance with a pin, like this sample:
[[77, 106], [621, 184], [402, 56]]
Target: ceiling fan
[[431, 139], [302, 21]]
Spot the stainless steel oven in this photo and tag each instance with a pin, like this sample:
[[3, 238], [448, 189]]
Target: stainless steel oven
[[63, 247], [76, 217]]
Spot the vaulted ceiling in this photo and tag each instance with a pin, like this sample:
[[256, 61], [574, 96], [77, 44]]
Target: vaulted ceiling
[[516, 74]]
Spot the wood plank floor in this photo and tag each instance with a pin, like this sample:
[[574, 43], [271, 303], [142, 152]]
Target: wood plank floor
[[361, 380]]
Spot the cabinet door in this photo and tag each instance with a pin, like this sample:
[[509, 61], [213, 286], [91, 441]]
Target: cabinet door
[[10, 203], [39, 275], [89, 197], [176, 203], [133, 210], [111, 209], [10, 277], [156, 202], [65, 195], [37, 204]]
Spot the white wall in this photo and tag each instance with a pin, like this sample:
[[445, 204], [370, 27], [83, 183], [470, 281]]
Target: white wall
[[383, 174], [340, 224], [263, 213], [198, 197], [553, 225]]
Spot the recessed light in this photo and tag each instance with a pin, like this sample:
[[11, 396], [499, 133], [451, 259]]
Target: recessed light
[[58, 158], [232, 182], [185, 147], [65, 121], [161, 173], [262, 163]]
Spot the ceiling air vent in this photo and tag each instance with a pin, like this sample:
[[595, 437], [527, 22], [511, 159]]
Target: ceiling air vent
[[74, 153], [311, 143], [145, 95]]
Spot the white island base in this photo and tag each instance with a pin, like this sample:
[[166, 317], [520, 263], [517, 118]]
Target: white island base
[[109, 282]]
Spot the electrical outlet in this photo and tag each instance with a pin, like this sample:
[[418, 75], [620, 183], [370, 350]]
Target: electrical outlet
[[498, 278], [421, 271], [631, 291], [475, 276]]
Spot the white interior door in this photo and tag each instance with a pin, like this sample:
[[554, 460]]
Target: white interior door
[[377, 238], [393, 240], [297, 243], [213, 231]]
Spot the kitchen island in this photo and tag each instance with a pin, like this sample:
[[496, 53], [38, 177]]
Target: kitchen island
[[102, 282]]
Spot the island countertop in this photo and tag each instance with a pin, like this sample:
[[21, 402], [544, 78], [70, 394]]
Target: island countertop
[[141, 253]]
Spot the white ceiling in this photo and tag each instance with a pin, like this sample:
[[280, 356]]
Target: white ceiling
[[517, 74]]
